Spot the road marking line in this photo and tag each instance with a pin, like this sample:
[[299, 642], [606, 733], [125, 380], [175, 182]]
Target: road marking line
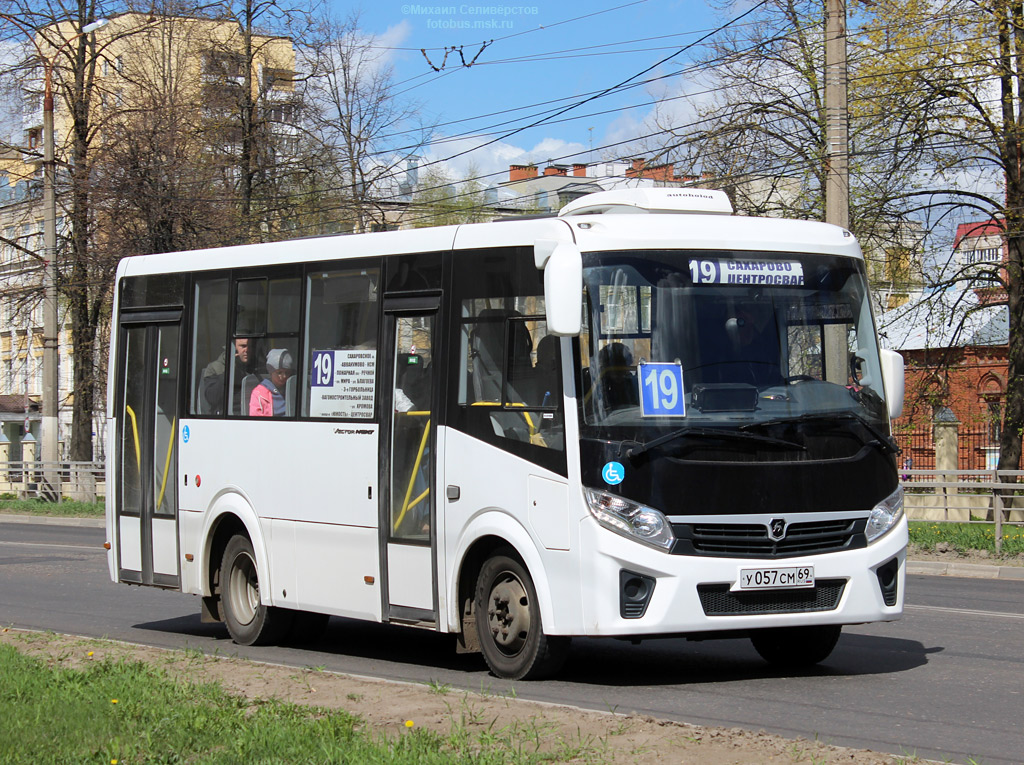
[[92, 548], [964, 611]]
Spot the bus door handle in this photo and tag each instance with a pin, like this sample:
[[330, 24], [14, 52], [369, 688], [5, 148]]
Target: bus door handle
[[452, 492]]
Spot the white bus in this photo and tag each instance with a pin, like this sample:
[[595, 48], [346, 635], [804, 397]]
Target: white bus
[[640, 418]]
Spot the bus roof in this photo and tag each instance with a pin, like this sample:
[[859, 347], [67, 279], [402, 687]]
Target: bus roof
[[591, 233]]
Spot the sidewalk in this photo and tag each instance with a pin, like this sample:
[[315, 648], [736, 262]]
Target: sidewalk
[[972, 570], [926, 567], [49, 520]]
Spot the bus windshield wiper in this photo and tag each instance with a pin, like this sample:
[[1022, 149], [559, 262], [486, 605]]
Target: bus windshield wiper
[[883, 440], [695, 432]]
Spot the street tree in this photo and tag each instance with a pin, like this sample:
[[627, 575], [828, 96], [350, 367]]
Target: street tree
[[84, 273], [372, 134], [157, 188], [757, 126], [965, 64], [253, 104], [442, 201]]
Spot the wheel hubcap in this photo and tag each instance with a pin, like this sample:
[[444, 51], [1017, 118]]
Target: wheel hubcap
[[508, 614], [244, 589]]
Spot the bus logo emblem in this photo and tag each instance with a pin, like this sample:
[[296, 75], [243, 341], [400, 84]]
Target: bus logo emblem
[[777, 529]]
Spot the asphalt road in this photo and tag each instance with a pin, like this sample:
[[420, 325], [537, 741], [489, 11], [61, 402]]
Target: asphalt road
[[946, 682]]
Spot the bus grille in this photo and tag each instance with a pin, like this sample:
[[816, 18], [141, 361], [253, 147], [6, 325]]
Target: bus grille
[[718, 601], [750, 540]]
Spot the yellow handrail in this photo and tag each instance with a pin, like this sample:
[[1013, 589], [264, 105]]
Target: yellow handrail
[[167, 463], [509, 405], [534, 430], [406, 505], [135, 432]]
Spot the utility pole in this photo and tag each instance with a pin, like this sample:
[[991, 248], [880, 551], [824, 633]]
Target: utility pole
[[51, 328], [837, 153], [837, 125]]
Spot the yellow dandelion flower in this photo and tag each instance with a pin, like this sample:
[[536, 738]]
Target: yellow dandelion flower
[[409, 723], [89, 654], [113, 701]]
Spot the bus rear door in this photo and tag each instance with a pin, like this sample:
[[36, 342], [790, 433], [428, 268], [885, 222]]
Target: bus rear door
[[146, 499]]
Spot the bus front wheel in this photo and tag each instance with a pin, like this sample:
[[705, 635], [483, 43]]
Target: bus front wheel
[[796, 647], [247, 619], [509, 625]]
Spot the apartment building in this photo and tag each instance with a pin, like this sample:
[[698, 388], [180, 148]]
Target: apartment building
[[206, 69]]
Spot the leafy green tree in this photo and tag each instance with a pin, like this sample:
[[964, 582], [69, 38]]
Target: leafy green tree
[[963, 61], [442, 201], [757, 127]]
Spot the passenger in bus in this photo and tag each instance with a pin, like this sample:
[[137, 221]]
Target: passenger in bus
[[268, 398], [755, 344], [618, 386], [546, 370], [212, 386]]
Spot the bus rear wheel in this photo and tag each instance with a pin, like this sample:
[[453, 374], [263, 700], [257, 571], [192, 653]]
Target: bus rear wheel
[[248, 621], [795, 647], [509, 625]]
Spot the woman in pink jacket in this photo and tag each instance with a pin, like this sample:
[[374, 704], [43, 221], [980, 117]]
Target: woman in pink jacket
[[267, 399]]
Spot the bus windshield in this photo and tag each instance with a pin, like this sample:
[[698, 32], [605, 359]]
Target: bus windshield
[[692, 340]]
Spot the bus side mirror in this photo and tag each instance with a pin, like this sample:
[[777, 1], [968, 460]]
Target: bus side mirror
[[892, 380], [563, 285]]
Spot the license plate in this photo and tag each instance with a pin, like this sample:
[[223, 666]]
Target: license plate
[[775, 578]]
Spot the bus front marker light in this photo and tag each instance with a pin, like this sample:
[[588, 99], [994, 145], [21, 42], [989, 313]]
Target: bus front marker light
[[885, 515], [631, 519]]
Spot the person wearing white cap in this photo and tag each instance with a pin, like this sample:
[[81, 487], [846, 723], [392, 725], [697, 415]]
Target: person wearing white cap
[[267, 398]]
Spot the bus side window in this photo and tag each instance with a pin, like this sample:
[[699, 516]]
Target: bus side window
[[506, 387], [265, 345], [340, 353], [513, 379], [209, 354]]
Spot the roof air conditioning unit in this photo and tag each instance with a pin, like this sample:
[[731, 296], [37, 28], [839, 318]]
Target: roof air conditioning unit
[[653, 200]]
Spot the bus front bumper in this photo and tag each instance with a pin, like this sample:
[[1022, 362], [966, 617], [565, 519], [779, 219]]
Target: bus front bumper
[[677, 594]]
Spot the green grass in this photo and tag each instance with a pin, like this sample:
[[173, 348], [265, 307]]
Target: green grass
[[126, 712], [966, 536], [68, 508]]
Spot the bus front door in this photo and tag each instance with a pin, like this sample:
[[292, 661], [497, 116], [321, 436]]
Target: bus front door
[[147, 501], [409, 521]]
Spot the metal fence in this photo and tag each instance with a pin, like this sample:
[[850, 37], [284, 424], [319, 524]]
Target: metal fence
[[975, 448], [53, 481], [966, 496], [917, 448]]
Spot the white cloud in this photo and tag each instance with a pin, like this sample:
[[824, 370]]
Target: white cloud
[[395, 35], [494, 159]]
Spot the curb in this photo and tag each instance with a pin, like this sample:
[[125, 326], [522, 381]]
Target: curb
[[48, 520], [921, 567], [969, 570]]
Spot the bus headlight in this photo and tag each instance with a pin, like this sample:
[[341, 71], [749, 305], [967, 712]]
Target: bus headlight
[[633, 520], [885, 515]]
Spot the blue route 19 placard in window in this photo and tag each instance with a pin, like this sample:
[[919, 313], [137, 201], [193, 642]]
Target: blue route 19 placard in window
[[661, 390]]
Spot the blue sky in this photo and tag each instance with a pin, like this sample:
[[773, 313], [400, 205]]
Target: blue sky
[[542, 51], [532, 57]]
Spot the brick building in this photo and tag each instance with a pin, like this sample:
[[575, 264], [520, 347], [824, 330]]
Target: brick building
[[955, 345]]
